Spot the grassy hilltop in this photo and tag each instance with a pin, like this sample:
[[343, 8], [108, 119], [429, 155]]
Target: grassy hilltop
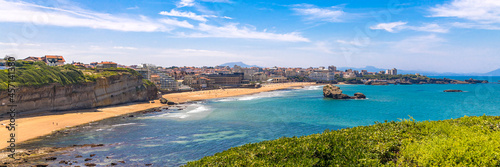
[[466, 141], [30, 73]]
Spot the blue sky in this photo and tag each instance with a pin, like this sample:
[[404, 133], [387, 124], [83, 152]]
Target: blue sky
[[441, 36]]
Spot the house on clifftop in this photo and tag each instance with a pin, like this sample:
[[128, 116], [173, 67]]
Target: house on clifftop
[[106, 64], [53, 60]]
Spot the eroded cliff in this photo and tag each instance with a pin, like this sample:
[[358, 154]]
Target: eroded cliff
[[112, 90]]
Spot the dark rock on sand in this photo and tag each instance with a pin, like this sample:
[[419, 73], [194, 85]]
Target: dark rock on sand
[[88, 159], [90, 164], [163, 100], [42, 165], [50, 159], [91, 155]]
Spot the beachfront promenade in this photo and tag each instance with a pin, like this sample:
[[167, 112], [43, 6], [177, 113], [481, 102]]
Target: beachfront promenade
[[33, 127]]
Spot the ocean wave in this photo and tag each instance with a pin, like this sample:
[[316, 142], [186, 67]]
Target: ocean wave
[[191, 111], [262, 95], [316, 87], [198, 109], [226, 99], [124, 124]]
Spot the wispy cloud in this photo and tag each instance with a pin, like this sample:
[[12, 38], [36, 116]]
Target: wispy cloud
[[420, 44], [177, 23], [388, 26], [185, 3], [132, 8], [429, 28], [42, 15], [320, 46], [232, 31], [397, 26], [189, 15], [355, 43], [482, 11], [314, 13], [124, 47]]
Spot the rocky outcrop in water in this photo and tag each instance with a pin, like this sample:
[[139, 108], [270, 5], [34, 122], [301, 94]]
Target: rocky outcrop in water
[[452, 90], [359, 95], [474, 81], [117, 89], [334, 92]]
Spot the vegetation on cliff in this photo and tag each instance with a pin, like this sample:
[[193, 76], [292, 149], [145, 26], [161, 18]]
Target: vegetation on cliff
[[407, 77], [466, 141], [30, 73]]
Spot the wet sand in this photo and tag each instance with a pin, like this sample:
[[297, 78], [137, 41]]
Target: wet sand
[[33, 127]]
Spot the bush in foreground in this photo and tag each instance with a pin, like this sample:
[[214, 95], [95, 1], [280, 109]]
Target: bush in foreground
[[466, 141]]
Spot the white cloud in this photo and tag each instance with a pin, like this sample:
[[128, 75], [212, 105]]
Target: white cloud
[[397, 26], [124, 47], [483, 11], [427, 44], [388, 26], [189, 15], [331, 14], [232, 31], [320, 46], [429, 28], [219, 1], [185, 3], [23, 12], [32, 13], [9, 44], [476, 26], [355, 43], [177, 23]]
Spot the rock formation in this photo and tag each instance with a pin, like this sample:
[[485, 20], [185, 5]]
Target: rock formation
[[359, 95], [163, 100], [117, 89], [452, 90], [334, 92]]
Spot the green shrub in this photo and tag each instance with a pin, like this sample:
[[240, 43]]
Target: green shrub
[[467, 141], [30, 73]]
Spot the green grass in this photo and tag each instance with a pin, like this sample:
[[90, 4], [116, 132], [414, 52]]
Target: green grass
[[466, 141], [38, 73]]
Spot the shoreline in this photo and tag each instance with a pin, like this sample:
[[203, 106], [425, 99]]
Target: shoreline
[[29, 128]]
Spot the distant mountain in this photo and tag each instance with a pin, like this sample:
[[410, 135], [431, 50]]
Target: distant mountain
[[241, 64], [494, 72], [368, 68]]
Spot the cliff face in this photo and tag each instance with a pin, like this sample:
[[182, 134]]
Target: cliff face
[[112, 90]]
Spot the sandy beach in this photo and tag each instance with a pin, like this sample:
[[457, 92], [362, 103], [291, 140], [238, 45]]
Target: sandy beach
[[33, 127]]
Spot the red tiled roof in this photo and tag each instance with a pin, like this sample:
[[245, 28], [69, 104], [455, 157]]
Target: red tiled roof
[[106, 62], [59, 58]]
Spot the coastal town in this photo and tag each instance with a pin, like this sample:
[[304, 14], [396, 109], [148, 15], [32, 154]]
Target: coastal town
[[197, 78]]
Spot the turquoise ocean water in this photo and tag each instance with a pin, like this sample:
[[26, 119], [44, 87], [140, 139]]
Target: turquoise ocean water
[[174, 137]]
